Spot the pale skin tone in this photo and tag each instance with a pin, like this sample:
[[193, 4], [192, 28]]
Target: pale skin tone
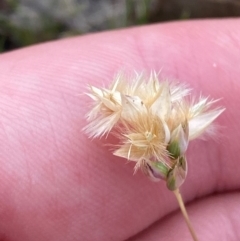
[[56, 184]]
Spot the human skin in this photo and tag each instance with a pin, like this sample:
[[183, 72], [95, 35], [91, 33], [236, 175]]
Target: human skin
[[58, 185]]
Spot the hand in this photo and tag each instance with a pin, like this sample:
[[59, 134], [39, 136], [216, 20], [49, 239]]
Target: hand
[[58, 185]]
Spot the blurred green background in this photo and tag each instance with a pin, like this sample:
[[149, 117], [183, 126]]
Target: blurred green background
[[26, 22]]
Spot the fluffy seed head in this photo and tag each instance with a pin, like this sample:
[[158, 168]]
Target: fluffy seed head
[[154, 120]]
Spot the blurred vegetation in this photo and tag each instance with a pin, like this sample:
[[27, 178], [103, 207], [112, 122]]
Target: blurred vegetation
[[26, 22]]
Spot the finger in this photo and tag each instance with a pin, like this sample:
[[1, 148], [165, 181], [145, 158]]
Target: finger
[[213, 218], [50, 170]]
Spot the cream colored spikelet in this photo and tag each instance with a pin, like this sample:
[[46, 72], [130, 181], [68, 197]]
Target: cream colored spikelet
[[155, 121]]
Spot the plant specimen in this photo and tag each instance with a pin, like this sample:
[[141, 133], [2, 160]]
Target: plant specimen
[[154, 121]]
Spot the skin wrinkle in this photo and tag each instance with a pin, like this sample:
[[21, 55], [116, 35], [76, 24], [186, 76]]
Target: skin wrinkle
[[212, 166], [153, 230], [235, 40], [233, 228], [227, 38], [104, 175], [68, 108], [3, 131], [29, 181], [225, 213], [139, 51], [60, 137], [222, 40], [55, 139]]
